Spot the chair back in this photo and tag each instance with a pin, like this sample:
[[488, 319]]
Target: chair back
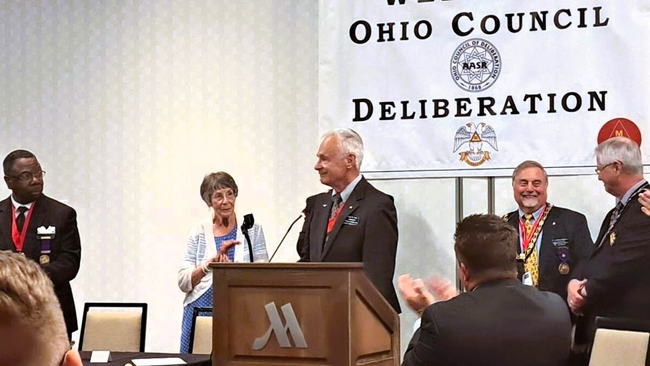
[[201, 331], [620, 342], [117, 327]]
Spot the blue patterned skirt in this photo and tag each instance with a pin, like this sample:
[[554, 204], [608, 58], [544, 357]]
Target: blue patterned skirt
[[204, 301]]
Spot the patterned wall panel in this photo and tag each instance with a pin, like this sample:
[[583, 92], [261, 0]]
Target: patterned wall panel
[[128, 104]]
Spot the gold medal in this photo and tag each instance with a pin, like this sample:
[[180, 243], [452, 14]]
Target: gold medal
[[612, 238], [564, 268], [44, 259]]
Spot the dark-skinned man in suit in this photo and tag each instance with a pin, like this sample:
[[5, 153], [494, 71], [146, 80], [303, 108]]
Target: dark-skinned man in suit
[[40, 228]]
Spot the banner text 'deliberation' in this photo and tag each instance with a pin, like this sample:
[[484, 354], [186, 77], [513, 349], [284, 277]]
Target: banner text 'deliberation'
[[472, 88]]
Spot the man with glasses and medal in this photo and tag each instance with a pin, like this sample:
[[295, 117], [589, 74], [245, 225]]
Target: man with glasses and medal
[[552, 240], [614, 280], [40, 228]]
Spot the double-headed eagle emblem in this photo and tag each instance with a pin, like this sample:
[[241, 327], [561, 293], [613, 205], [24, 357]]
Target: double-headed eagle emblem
[[475, 136]]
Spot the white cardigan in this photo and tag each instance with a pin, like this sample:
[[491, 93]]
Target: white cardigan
[[201, 247]]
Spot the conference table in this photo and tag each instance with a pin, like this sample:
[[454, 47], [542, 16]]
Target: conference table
[[121, 358]]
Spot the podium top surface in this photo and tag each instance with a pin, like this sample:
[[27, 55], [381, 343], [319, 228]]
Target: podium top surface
[[294, 266]]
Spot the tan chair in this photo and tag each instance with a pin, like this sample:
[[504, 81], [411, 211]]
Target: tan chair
[[619, 342], [118, 327], [201, 331]]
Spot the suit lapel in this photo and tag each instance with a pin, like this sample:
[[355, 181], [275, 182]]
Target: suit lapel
[[321, 213], [31, 247], [605, 224], [352, 203], [602, 232], [547, 248], [6, 241], [513, 219]]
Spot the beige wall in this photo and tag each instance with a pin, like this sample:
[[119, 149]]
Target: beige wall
[[128, 104]]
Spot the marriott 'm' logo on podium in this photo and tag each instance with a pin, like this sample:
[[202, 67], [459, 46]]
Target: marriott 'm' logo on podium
[[292, 327]]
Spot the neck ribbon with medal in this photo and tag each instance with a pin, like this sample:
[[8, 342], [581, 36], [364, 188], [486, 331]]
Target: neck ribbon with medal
[[529, 241], [45, 235], [42, 234], [19, 237], [610, 229]]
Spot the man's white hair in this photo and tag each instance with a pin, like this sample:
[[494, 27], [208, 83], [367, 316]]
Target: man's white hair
[[620, 149], [350, 142]]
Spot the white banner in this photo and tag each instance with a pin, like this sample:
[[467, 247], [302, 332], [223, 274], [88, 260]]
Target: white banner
[[474, 87]]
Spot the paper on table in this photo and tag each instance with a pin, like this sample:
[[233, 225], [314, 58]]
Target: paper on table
[[158, 361], [100, 356]]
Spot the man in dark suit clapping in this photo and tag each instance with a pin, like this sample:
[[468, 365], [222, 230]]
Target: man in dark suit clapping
[[499, 320]]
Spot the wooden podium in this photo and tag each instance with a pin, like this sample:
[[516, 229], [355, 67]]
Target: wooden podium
[[323, 314]]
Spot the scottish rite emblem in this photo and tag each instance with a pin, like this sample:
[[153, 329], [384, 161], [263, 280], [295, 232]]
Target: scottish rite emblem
[[474, 136], [475, 65]]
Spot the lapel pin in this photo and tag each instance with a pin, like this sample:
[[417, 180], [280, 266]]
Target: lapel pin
[[350, 207], [324, 204], [553, 222]]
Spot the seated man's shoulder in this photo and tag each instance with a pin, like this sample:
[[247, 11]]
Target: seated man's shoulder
[[549, 297], [456, 305]]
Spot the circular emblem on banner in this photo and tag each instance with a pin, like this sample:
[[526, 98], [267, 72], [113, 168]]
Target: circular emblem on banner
[[475, 65], [620, 127]]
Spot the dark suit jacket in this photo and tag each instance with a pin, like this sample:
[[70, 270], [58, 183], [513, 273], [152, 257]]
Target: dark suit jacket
[[66, 247], [501, 322], [618, 275], [365, 231], [560, 224]]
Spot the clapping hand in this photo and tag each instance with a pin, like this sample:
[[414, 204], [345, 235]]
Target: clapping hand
[[222, 256], [414, 292], [441, 288]]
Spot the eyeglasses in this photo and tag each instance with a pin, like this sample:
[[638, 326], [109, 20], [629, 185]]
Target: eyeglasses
[[220, 197], [599, 170], [28, 176]]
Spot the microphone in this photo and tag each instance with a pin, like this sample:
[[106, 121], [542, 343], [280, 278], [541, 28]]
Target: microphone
[[248, 223], [285, 235]]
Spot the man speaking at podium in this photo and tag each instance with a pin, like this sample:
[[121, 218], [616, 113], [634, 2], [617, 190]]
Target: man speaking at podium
[[353, 222]]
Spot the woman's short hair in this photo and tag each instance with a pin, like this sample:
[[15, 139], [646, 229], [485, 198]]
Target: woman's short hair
[[215, 181]]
